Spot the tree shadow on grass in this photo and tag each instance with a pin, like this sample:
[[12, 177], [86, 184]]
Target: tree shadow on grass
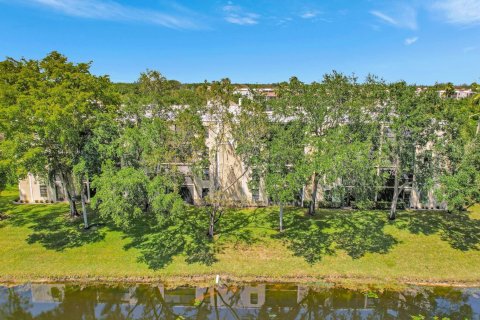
[[355, 232], [233, 228], [3, 220], [53, 228], [306, 237], [160, 242], [362, 232], [458, 229]]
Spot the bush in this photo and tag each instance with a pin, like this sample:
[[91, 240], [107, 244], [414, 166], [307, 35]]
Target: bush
[[385, 205], [363, 205], [329, 205], [306, 203]]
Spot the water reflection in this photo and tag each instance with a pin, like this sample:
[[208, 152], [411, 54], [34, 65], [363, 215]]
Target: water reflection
[[262, 301]]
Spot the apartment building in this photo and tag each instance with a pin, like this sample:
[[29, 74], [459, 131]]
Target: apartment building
[[227, 172]]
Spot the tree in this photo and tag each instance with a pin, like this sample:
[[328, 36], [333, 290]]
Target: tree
[[219, 114], [127, 194], [460, 153], [283, 173], [322, 108], [48, 110], [411, 126], [160, 142], [7, 169]]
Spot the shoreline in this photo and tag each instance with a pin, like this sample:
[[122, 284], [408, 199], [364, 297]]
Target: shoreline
[[38, 245], [354, 283]]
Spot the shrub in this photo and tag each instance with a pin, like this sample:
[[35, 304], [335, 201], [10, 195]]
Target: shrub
[[363, 205]]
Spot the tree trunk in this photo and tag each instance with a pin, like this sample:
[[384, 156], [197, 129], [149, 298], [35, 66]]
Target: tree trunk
[[311, 210], [378, 163], [71, 200], [281, 216], [84, 208], [393, 208], [212, 223]]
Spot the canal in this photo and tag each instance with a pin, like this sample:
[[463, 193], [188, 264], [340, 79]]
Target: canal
[[259, 301]]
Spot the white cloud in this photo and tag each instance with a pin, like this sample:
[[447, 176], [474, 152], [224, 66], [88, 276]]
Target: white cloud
[[410, 41], [246, 19], [231, 8], [384, 17], [462, 12], [111, 10], [309, 14], [402, 16], [236, 15]]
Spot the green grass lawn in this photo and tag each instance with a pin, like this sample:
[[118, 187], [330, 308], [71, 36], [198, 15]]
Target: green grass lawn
[[40, 242]]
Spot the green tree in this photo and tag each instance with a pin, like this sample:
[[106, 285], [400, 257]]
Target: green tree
[[160, 142], [7, 167], [322, 108], [219, 117], [283, 173], [460, 153], [412, 125], [48, 111]]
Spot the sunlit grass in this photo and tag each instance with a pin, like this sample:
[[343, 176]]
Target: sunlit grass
[[41, 242]]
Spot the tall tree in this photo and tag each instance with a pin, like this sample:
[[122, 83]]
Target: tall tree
[[411, 128], [160, 142], [284, 175], [322, 108], [459, 176], [48, 110], [219, 114]]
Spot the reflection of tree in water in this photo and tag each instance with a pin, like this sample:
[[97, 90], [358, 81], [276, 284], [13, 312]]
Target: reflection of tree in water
[[440, 302], [77, 303], [234, 302], [312, 305], [15, 305], [216, 297], [153, 304]]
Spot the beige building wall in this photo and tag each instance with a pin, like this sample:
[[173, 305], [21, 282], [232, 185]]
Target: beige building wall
[[33, 189], [232, 174]]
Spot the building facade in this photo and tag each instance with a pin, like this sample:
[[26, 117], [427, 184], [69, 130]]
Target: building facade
[[227, 172]]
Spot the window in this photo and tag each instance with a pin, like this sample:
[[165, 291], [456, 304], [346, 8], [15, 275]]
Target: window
[[206, 174], [255, 195], [253, 298], [205, 192], [186, 194], [59, 192], [43, 191]]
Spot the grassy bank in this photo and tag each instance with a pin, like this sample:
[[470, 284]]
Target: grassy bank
[[40, 243]]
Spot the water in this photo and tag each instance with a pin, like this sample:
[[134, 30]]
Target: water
[[261, 301]]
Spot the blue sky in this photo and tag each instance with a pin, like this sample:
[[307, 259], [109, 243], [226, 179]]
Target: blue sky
[[419, 41]]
